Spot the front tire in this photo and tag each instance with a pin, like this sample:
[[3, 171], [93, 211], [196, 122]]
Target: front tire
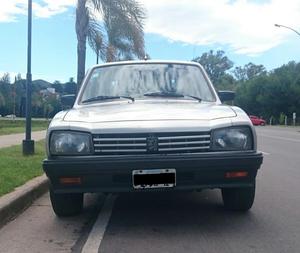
[[66, 204], [238, 199]]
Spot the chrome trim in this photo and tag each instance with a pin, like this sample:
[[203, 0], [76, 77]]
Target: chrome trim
[[192, 142], [121, 145], [119, 139], [184, 137], [119, 150], [183, 143], [187, 148]]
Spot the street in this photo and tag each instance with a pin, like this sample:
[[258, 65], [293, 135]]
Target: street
[[177, 222]]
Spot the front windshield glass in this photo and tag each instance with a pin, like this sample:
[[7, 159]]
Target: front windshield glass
[[136, 80]]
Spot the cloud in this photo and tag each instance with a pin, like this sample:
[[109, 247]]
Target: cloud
[[11, 9], [247, 27], [49, 8]]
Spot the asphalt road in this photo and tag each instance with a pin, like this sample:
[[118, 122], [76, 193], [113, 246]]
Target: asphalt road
[[177, 222]]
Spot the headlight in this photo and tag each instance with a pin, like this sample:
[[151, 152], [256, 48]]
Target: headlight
[[70, 143], [232, 139]]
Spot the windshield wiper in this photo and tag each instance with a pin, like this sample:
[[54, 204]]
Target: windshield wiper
[[101, 98], [170, 94], [194, 97]]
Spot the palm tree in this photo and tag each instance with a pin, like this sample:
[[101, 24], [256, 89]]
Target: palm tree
[[119, 37], [98, 45]]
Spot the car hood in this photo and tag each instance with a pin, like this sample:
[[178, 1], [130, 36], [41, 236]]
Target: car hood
[[148, 111]]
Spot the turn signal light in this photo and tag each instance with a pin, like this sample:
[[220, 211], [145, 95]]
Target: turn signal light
[[70, 180], [236, 174]]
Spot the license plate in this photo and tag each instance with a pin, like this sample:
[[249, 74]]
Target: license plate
[[156, 178]]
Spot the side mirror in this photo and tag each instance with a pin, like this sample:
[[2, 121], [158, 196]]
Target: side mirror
[[226, 95], [68, 100]]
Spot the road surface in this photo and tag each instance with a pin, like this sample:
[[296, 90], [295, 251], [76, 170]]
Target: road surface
[[177, 222]]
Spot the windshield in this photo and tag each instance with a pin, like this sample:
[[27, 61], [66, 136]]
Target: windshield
[[136, 80]]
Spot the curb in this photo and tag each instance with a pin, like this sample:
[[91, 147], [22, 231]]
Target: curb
[[12, 204]]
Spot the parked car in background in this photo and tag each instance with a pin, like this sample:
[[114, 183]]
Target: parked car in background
[[256, 121], [10, 116]]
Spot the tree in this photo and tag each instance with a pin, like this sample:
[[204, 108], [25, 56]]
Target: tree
[[226, 82], [37, 104], [51, 106], [249, 71], [215, 64], [6, 91], [98, 46], [70, 87], [57, 86], [18, 77], [5, 78], [272, 94], [2, 100], [120, 36]]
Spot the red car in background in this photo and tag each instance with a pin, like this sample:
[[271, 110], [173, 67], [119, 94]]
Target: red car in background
[[256, 121]]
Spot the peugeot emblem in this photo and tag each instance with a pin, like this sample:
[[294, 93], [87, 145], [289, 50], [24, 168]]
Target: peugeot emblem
[[152, 144]]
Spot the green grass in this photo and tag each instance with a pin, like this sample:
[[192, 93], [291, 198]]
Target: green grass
[[16, 169], [18, 126]]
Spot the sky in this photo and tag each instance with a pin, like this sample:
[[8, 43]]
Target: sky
[[174, 30]]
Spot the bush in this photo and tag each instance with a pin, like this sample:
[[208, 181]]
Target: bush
[[282, 118]]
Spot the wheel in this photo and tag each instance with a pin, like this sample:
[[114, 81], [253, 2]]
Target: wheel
[[238, 199], [66, 204], [262, 123]]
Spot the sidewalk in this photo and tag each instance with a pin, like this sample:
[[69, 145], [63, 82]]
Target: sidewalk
[[18, 200], [16, 139]]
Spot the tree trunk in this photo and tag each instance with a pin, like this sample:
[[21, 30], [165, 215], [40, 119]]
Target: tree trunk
[[81, 54], [81, 31], [110, 54]]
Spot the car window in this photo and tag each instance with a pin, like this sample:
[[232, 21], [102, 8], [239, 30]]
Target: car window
[[137, 79]]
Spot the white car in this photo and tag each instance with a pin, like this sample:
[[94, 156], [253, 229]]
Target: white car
[[10, 116], [143, 126]]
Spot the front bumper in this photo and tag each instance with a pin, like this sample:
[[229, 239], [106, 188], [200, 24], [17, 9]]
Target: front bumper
[[114, 174]]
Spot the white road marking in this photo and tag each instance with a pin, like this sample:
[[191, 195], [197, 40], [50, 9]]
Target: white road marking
[[93, 242], [279, 138]]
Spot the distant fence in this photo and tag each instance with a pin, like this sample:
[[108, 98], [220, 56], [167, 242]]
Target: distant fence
[[284, 121]]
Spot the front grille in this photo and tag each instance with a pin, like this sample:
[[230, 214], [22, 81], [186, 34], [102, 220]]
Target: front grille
[[154, 143]]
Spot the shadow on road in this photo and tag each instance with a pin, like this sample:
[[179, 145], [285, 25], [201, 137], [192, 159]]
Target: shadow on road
[[175, 209], [175, 222]]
